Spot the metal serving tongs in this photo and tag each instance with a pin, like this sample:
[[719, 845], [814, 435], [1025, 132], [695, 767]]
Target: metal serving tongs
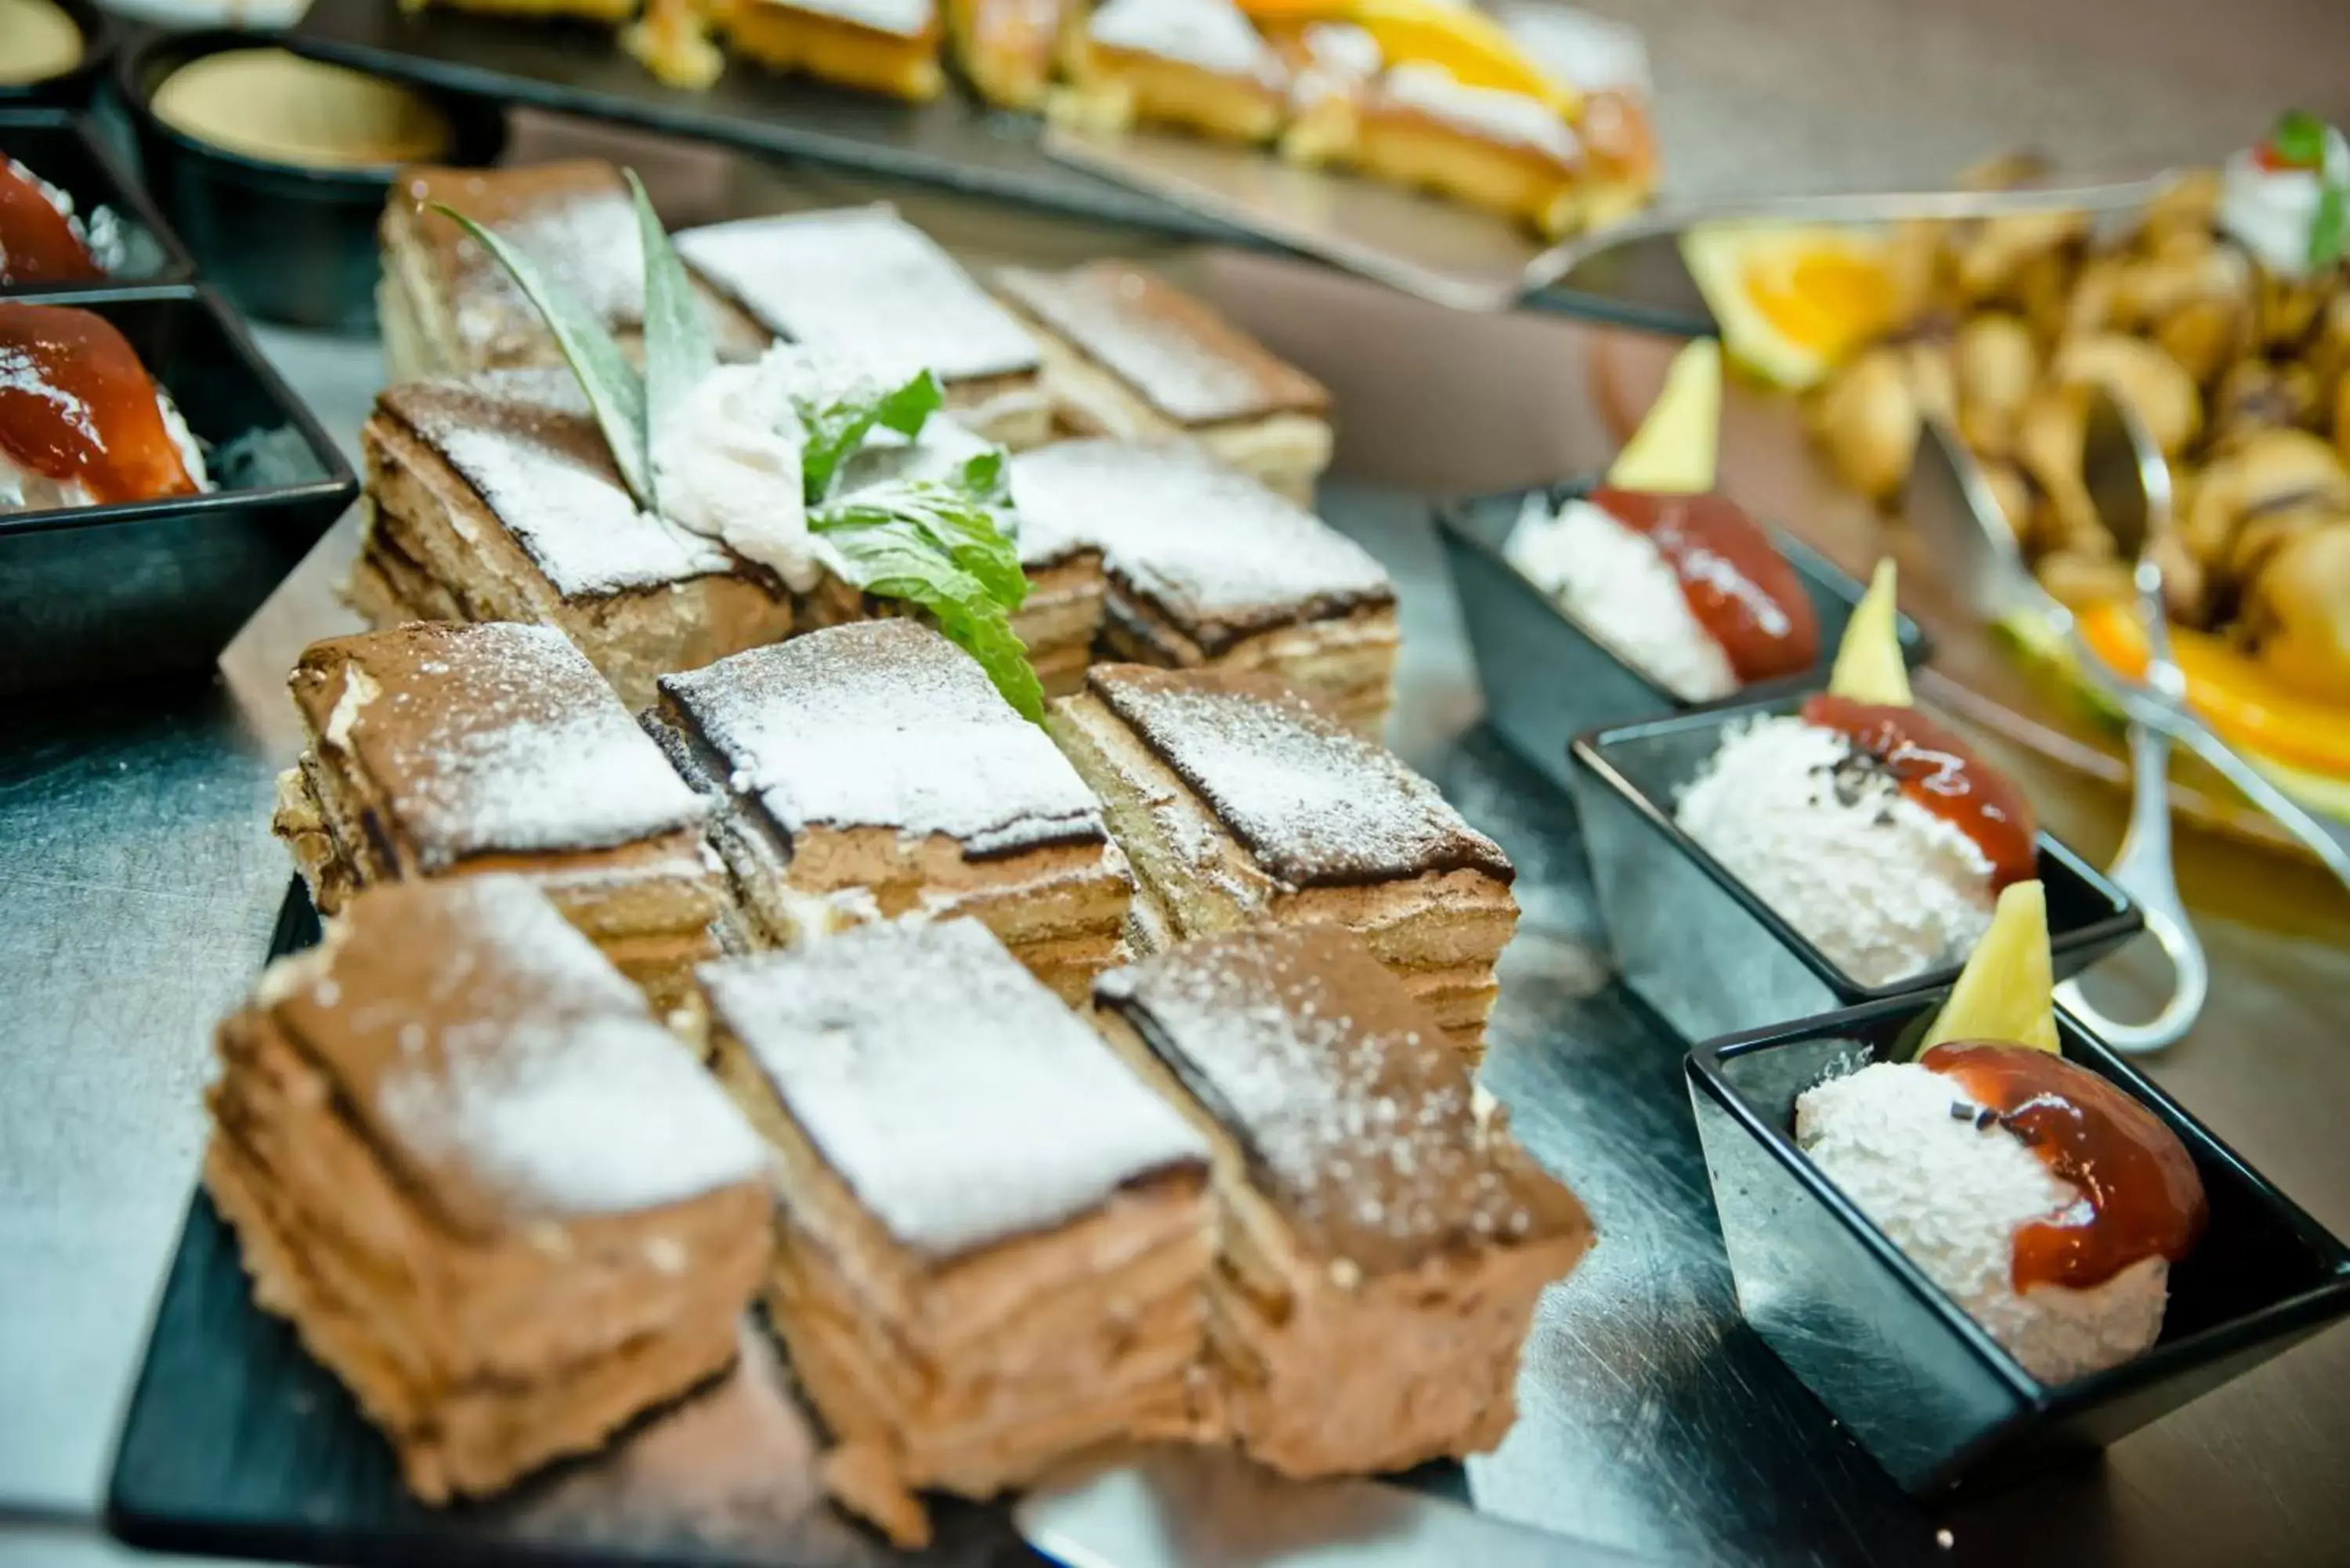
[[1949, 502]]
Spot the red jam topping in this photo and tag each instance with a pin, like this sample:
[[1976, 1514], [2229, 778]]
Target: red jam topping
[[2140, 1195], [1940, 773], [77, 404], [36, 243], [1739, 586]]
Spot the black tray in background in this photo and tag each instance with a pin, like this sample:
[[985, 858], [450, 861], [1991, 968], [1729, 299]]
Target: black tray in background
[[63, 147], [954, 142]]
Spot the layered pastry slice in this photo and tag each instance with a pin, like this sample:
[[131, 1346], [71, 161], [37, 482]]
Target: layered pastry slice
[[1199, 65], [449, 308], [492, 1194], [495, 499], [862, 284], [879, 45], [440, 750], [1207, 566], [1380, 1239], [1239, 804], [994, 1233], [1127, 354], [872, 772], [1005, 48]]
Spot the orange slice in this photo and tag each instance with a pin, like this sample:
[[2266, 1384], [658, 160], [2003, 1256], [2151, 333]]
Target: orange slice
[[2233, 694]]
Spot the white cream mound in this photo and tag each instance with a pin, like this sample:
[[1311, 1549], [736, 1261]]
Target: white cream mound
[[1951, 1195], [1616, 582], [1883, 887]]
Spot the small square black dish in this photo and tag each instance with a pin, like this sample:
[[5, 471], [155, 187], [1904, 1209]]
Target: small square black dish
[[1929, 1394], [125, 232], [1699, 946], [319, 267], [1548, 677], [76, 85], [102, 593]]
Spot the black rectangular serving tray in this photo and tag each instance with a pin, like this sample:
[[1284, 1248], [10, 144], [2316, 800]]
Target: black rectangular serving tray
[[1926, 1389], [1652, 1420], [105, 593], [65, 150], [1547, 678], [955, 142]]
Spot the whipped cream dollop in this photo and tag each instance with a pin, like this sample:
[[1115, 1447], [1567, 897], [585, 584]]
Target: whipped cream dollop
[[24, 489], [726, 464], [2271, 210], [1618, 584]]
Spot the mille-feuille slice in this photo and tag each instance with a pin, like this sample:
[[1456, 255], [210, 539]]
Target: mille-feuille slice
[[863, 285], [496, 1199], [1238, 802], [1128, 355], [441, 750], [968, 1299], [1208, 566], [495, 499], [1380, 1239], [1199, 65], [450, 309], [872, 772], [876, 45]]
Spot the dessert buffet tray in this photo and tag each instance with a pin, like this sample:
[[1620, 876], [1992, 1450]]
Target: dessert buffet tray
[[1654, 1425], [952, 142]]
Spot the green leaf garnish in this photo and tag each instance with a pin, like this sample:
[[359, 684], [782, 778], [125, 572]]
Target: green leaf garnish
[[836, 428], [2327, 229], [616, 393], [678, 350], [940, 545], [2299, 139]]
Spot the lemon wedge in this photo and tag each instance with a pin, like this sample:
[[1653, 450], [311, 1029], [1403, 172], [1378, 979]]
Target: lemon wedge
[[1868, 664], [2007, 991]]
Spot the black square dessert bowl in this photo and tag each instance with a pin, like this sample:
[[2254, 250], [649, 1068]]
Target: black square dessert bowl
[[141, 588], [1931, 1395], [1703, 948], [1548, 677], [130, 239]]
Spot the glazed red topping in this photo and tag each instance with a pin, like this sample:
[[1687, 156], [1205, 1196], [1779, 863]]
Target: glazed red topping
[[77, 404], [36, 243], [1739, 586], [1942, 773], [2141, 1197]]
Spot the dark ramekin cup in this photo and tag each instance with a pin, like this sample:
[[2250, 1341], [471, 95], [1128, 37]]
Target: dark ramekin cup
[[1548, 677], [64, 150], [76, 86], [91, 594], [1920, 1385], [1699, 945], [285, 243]]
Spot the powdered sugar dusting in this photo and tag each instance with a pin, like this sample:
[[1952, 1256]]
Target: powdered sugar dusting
[[1357, 1118], [886, 724], [1507, 117], [1313, 802], [1178, 356], [1212, 35], [960, 1100], [1615, 581], [1205, 542], [509, 1058], [863, 284], [902, 18], [1883, 887], [583, 237], [524, 441], [497, 738]]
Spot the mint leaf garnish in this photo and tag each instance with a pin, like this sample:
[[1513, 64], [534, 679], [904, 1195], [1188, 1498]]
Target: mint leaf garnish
[[837, 428], [678, 351], [616, 393], [2299, 139], [2327, 229], [941, 545]]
